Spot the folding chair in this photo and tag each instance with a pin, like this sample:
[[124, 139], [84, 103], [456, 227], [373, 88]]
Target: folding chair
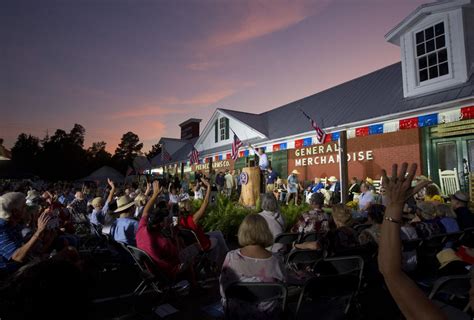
[[286, 237], [202, 261], [253, 293], [360, 227], [148, 271], [310, 236], [335, 288], [427, 251], [453, 287], [303, 258]]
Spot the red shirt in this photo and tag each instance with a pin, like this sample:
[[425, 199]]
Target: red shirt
[[188, 222], [161, 249]]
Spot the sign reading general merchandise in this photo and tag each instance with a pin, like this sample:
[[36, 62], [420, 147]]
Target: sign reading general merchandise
[[327, 154]]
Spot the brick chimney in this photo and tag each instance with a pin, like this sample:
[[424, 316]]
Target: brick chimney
[[190, 129]]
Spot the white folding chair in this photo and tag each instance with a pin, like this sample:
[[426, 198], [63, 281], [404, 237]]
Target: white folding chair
[[449, 180]]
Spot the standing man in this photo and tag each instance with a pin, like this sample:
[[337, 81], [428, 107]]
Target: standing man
[[262, 164], [272, 177], [229, 183], [292, 187]]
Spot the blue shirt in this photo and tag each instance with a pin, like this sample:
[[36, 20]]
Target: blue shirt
[[292, 184], [272, 177], [10, 241], [124, 230], [97, 217], [317, 187]]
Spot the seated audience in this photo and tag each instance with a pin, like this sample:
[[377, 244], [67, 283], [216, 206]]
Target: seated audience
[[97, 217], [316, 220], [212, 241], [459, 202], [411, 300], [275, 220], [342, 237], [125, 227], [173, 194], [366, 199], [375, 218], [155, 237], [447, 217], [432, 194], [425, 223], [14, 251], [252, 263], [354, 188]]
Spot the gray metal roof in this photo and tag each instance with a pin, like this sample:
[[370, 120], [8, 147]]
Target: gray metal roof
[[376, 94]]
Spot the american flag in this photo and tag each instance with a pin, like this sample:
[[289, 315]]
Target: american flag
[[194, 157], [320, 134], [235, 147]]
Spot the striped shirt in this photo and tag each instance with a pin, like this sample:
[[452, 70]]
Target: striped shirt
[[10, 241]]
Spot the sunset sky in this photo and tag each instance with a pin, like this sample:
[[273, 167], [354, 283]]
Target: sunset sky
[[146, 66]]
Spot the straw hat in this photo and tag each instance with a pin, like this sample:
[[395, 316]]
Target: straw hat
[[446, 256], [369, 180], [123, 203], [332, 179], [295, 172], [32, 195], [97, 202]]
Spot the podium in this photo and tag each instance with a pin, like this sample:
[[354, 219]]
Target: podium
[[250, 180]]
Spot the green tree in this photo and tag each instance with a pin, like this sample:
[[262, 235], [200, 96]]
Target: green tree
[[127, 150], [25, 152], [155, 150]]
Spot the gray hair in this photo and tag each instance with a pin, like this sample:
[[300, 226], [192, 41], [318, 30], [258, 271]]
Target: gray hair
[[269, 202], [10, 202]]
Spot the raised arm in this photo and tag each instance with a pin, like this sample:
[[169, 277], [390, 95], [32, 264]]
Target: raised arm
[[200, 213], [112, 190], [21, 253], [151, 201], [148, 189], [410, 299]]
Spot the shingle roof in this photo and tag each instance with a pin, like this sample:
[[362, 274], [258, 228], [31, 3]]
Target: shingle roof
[[377, 94]]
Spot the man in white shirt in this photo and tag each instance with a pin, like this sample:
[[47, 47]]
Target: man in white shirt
[[366, 198], [229, 183], [262, 164]]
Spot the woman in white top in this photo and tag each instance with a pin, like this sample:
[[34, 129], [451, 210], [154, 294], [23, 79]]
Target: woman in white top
[[274, 219], [252, 263]]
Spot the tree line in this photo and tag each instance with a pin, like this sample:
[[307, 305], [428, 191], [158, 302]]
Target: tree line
[[62, 156]]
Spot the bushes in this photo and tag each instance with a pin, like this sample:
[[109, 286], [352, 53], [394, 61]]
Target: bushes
[[226, 215]]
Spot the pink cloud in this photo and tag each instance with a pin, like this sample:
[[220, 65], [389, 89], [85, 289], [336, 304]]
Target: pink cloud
[[265, 17], [203, 66]]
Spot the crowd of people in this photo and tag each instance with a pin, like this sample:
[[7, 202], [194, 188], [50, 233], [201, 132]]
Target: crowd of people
[[45, 224]]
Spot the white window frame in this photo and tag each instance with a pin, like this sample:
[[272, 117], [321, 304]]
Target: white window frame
[[222, 129]]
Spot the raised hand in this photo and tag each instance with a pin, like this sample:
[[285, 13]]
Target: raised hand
[[398, 186], [205, 182], [43, 220], [156, 187], [111, 183]]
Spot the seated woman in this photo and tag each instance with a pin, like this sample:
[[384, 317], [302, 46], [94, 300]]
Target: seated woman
[[316, 220], [425, 223], [252, 263], [212, 241], [155, 237], [281, 190], [375, 219], [275, 220], [432, 194]]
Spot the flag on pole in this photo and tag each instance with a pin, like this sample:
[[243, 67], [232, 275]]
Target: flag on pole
[[320, 133], [235, 147], [194, 157]]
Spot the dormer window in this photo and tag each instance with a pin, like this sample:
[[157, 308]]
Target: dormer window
[[221, 129], [431, 53]]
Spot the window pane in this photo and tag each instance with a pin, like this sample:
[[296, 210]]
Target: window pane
[[443, 69], [432, 59], [440, 42], [430, 46], [420, 49], [442, 55], [420, 37], [433, 72], [422, 63], [447, 156], [439, 28], [470, 151], [423, 75], [429, 33]]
